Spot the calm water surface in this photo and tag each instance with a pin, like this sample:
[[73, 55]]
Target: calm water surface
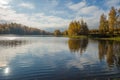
[[58, 58]]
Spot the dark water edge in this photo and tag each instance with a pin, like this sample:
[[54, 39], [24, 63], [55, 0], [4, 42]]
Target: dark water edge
[[58, 58]]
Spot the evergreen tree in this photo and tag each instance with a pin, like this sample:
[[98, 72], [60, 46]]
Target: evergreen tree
[[84, 28]]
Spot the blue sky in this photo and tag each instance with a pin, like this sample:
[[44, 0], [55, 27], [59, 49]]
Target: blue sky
[[54, 14]]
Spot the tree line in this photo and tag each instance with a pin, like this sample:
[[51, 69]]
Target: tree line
[[14, 28], [107, 25], [75, 28], [112, 24]]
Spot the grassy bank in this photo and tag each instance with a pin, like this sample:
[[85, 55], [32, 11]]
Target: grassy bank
[[108, 38], [80, 36], [112, 38], [97, 38]]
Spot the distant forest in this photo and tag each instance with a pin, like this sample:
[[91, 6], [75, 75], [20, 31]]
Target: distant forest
[[18, 29]]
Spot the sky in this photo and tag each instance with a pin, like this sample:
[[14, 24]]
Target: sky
[[54, 14]]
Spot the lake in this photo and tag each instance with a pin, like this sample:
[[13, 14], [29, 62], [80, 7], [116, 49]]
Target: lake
[[58, 58]]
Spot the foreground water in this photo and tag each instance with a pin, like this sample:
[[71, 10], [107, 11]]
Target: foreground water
[[58, 58]]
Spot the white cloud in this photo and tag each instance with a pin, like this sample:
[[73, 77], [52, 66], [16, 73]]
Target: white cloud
[[110, 3], [86, 57], [77, 6], [4, 3], [38, 20], [37, 47], [90, 13], [93, 19], [57, 12], [88, 10], [50, 21], [27, 5]]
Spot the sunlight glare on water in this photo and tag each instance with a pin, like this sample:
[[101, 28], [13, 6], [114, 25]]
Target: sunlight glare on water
[[11, 38], [7, 70]]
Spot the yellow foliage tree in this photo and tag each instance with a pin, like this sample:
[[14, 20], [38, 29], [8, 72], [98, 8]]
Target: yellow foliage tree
[[112, 19], [103, 27], [77, 28], [57, 32]]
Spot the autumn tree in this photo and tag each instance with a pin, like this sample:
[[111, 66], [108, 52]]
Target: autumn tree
[[103, 27], [65, 32], [74, 28], [110, 54], [112, 19], [78, 45], [78, 28], [57, 32], [14, 28]]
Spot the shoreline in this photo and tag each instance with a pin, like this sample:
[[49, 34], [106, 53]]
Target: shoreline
[[96, 38], [117, 38]]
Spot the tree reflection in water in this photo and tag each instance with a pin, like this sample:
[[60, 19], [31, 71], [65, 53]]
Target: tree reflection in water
[[78, 45], [107, 50], [110, 50], [13, 43]]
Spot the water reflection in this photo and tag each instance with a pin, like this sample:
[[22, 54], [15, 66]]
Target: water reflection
[[7, 70], [107, 50], [111, 51], [9, 49], [78, 45], [51, 59], [13, 43]]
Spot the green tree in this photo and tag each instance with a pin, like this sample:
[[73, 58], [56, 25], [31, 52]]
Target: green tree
[[84, 28]]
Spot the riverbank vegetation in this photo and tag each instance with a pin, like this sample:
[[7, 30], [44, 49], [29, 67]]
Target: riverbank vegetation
[[109, 26]]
